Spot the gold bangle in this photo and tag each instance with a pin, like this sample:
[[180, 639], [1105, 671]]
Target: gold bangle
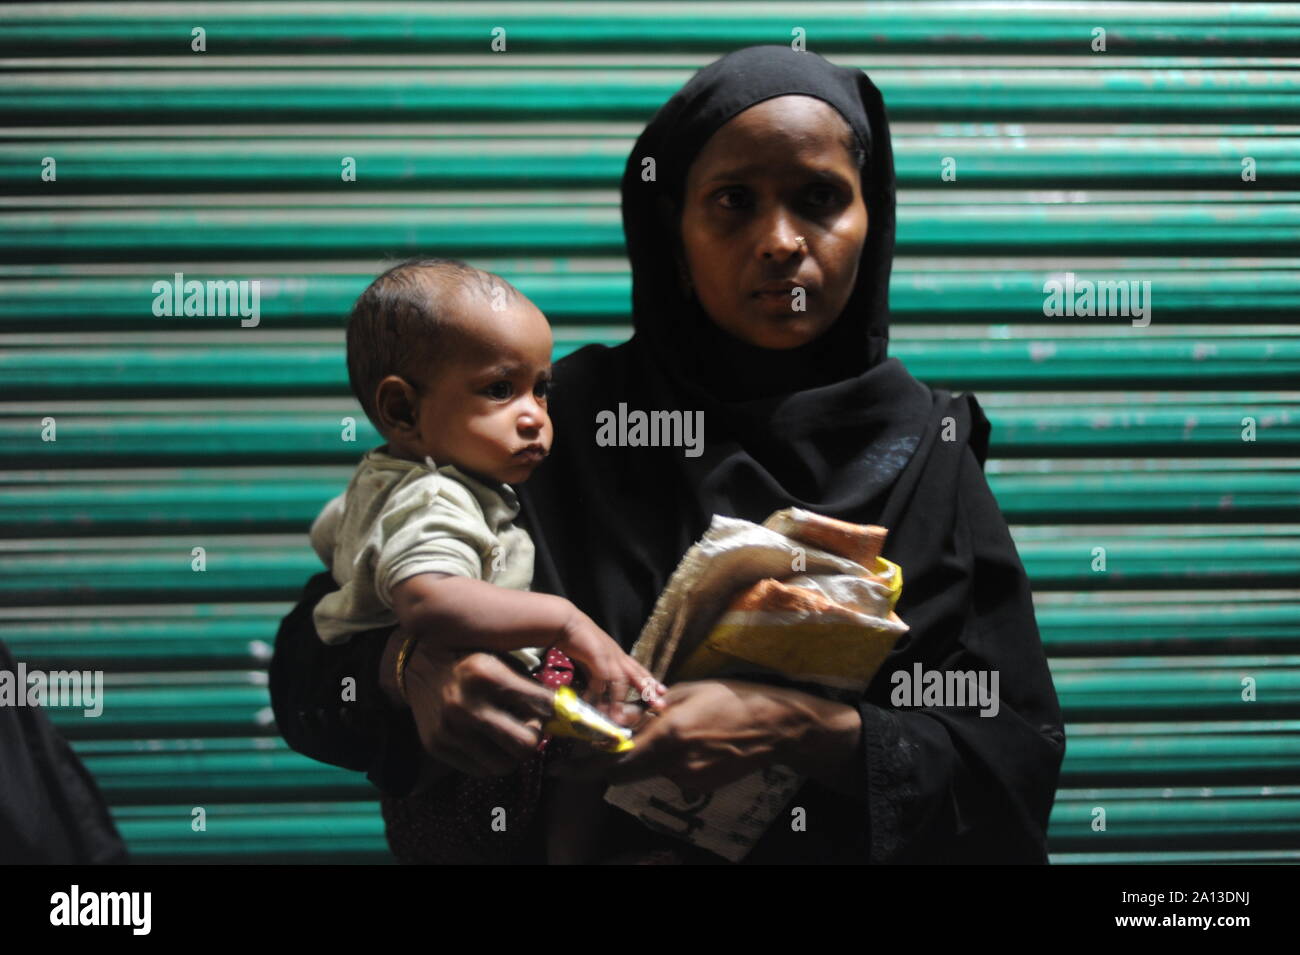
[[403, 658]]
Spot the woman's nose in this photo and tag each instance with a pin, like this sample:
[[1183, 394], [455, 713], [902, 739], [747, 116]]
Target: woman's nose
[[781, 238]]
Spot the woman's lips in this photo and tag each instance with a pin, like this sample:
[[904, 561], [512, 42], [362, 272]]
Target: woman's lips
[[782, 291], [779, 299], [775, 290]]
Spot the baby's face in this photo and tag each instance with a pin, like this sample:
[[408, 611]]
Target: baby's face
[[485, 410]]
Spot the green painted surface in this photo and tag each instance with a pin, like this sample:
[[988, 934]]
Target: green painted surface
[[1173, 447]]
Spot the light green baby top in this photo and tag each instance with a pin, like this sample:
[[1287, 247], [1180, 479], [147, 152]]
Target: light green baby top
[[399, 518]]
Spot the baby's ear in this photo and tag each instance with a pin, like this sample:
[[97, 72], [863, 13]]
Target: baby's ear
[[396, 404]]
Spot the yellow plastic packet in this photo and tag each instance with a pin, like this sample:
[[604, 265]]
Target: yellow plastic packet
[[577, 718]]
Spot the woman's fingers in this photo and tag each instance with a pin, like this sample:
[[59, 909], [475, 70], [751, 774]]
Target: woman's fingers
[[505, 713], [618, 688], [517, 739], [647, 687], [704, 738], [487, 741], [598, 692], [475, 713], [494, 681], [652, 756]]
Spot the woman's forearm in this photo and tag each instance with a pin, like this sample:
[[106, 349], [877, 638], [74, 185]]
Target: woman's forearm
[[826, 744]]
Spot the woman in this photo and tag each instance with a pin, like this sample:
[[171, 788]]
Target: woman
[[758, 208]]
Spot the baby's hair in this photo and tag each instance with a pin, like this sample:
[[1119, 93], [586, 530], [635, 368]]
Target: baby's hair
[[405, 322]]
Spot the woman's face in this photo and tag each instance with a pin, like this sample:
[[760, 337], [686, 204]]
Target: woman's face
[[773, 174]]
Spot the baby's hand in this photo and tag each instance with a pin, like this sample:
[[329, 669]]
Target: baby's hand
[[610, 671]]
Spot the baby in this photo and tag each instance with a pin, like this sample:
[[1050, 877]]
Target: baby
[[452, 365]]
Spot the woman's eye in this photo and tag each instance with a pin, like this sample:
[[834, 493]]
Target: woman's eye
[[499, 390], [731, 198], [823, 196]]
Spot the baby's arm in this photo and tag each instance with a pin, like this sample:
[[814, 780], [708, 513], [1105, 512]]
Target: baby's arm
[[465, 613]]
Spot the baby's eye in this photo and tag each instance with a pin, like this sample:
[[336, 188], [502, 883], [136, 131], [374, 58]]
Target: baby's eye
[[499, 390], [542, 389]]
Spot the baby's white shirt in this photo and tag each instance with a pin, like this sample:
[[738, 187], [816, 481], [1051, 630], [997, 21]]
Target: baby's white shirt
[[399, 518]]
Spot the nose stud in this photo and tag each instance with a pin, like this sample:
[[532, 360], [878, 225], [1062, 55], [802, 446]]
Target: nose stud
[[800, 244]]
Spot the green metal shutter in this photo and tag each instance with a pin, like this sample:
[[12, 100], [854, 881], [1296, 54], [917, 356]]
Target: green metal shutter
[[1173, 157]]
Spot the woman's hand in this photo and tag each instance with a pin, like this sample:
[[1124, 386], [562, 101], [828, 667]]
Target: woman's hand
[[473, 712], [713, 732]]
